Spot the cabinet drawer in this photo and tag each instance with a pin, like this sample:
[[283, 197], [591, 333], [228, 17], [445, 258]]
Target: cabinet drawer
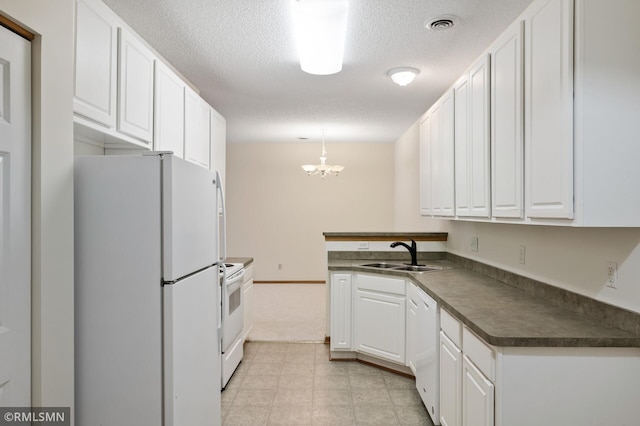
[[451, 327], [381, 284], [479, 353]]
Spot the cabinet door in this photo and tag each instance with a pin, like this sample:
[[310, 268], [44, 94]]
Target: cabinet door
[[168, 111], [95, 66], [247, 308], [446, 178], [507, 145], [412, 327], [380, 325], [196, 129], [425, 165], [450, 382], [549, 109], [479, 155], [135, 88], [461, 135], [427, 354], [442, 156], [218, 144], [340, 327], [477, 396], [471, 123]]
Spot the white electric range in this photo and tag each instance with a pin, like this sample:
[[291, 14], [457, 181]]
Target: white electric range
[[231, 318]]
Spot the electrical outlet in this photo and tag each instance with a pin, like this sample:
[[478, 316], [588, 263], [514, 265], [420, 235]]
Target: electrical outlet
[[612, 275], [279, 266], [474, 243], [521, 256], [363, 245]]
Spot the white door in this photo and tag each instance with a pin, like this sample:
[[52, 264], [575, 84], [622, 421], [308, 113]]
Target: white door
[[15, 225]]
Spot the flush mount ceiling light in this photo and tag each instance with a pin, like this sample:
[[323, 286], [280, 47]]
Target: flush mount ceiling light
[[320, 27], [403, 76], [323, 169]]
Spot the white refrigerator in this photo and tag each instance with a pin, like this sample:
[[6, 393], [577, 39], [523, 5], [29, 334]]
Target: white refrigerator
[[146, 292]]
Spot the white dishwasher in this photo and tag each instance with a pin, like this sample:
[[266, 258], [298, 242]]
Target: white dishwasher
[[428, 354]]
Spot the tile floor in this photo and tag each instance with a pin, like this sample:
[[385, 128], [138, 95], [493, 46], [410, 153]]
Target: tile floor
[[296, 384]]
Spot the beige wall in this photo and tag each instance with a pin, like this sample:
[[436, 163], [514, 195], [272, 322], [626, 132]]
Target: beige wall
[[277, 214], [571, 258], [52, 200]]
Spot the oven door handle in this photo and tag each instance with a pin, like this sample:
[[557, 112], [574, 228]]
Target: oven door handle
[[235, 279]]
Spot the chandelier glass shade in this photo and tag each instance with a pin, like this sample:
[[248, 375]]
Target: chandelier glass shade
[[323, 169]]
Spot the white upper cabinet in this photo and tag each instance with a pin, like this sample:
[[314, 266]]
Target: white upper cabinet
[[425, 165], [168, 111], [135, 88], [472, 167], [507, 147], [462, 145], [548, 108], [218, 144], [607, 111], [442, 156], [95, 64], [437, 158], [563, 123], [196, 129]]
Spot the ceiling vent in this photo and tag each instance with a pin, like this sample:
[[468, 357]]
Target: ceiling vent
[[441, 23]]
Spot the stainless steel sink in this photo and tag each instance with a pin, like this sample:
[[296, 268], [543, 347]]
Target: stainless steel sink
[[399, 267], [383, 265], [418, 268]]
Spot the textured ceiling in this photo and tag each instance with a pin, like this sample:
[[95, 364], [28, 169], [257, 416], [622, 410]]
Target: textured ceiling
[[242, 57]]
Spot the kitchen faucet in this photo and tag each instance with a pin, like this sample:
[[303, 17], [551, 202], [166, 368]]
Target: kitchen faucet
[[413, 249]]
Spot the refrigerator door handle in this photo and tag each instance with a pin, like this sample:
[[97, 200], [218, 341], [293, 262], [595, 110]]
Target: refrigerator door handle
[[223, 231]]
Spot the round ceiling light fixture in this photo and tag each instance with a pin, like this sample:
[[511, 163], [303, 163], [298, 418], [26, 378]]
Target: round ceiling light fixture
[[403, 76], [441, 23]]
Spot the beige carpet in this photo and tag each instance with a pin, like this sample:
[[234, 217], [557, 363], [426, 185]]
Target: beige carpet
[[288, 313]]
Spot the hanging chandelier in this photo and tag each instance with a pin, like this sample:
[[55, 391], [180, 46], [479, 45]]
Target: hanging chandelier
[[323, 169]]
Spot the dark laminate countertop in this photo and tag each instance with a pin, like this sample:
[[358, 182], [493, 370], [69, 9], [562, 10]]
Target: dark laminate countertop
[[503, 315]]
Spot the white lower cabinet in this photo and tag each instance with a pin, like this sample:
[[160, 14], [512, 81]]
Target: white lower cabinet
[[467, 375], [477, 396], [412, 326], [450, 382], [379, 317], [247, 288], [484, 385], [341, 309]]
